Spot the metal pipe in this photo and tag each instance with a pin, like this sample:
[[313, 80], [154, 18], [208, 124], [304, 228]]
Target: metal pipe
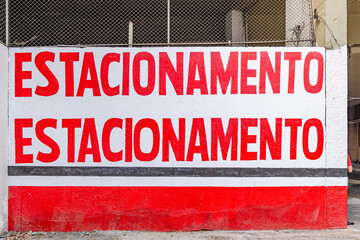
[[7, 22], [178, 44], [168, 22], [131, 33]]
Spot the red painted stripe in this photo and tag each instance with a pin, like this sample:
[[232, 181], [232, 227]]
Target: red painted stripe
[[176, 208]]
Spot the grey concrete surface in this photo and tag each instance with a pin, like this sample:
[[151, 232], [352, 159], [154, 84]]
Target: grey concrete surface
[[351, 233]]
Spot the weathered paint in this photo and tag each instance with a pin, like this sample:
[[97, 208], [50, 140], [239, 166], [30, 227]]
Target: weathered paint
[[3, 137], [176, 208], [153, 194], [336, 107]]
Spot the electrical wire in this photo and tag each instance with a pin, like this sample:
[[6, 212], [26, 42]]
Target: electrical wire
[[328, 28]]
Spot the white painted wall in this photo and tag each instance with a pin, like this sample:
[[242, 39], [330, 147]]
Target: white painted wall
[[302, 104], [336, 118], [336, 108], [3, 137]]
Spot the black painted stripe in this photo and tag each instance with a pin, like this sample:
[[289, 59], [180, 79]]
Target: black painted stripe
[[175, 172]]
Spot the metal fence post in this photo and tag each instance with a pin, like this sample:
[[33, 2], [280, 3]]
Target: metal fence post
[[7, 22], [168, 22]]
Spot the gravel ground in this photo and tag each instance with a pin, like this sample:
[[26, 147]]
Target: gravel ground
[[351, 233]]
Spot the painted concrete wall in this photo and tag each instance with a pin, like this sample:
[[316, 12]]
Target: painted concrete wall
[[336, 118], [333, 195], [331, 26], [336, 19], [260, 196], [336, 107], [319, 7], [3, 137]]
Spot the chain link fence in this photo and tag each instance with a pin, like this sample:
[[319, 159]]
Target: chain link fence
[[157, 22], [3, 21]]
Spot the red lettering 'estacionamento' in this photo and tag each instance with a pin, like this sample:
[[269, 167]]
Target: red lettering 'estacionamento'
[[226, 76], [200, 139]]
